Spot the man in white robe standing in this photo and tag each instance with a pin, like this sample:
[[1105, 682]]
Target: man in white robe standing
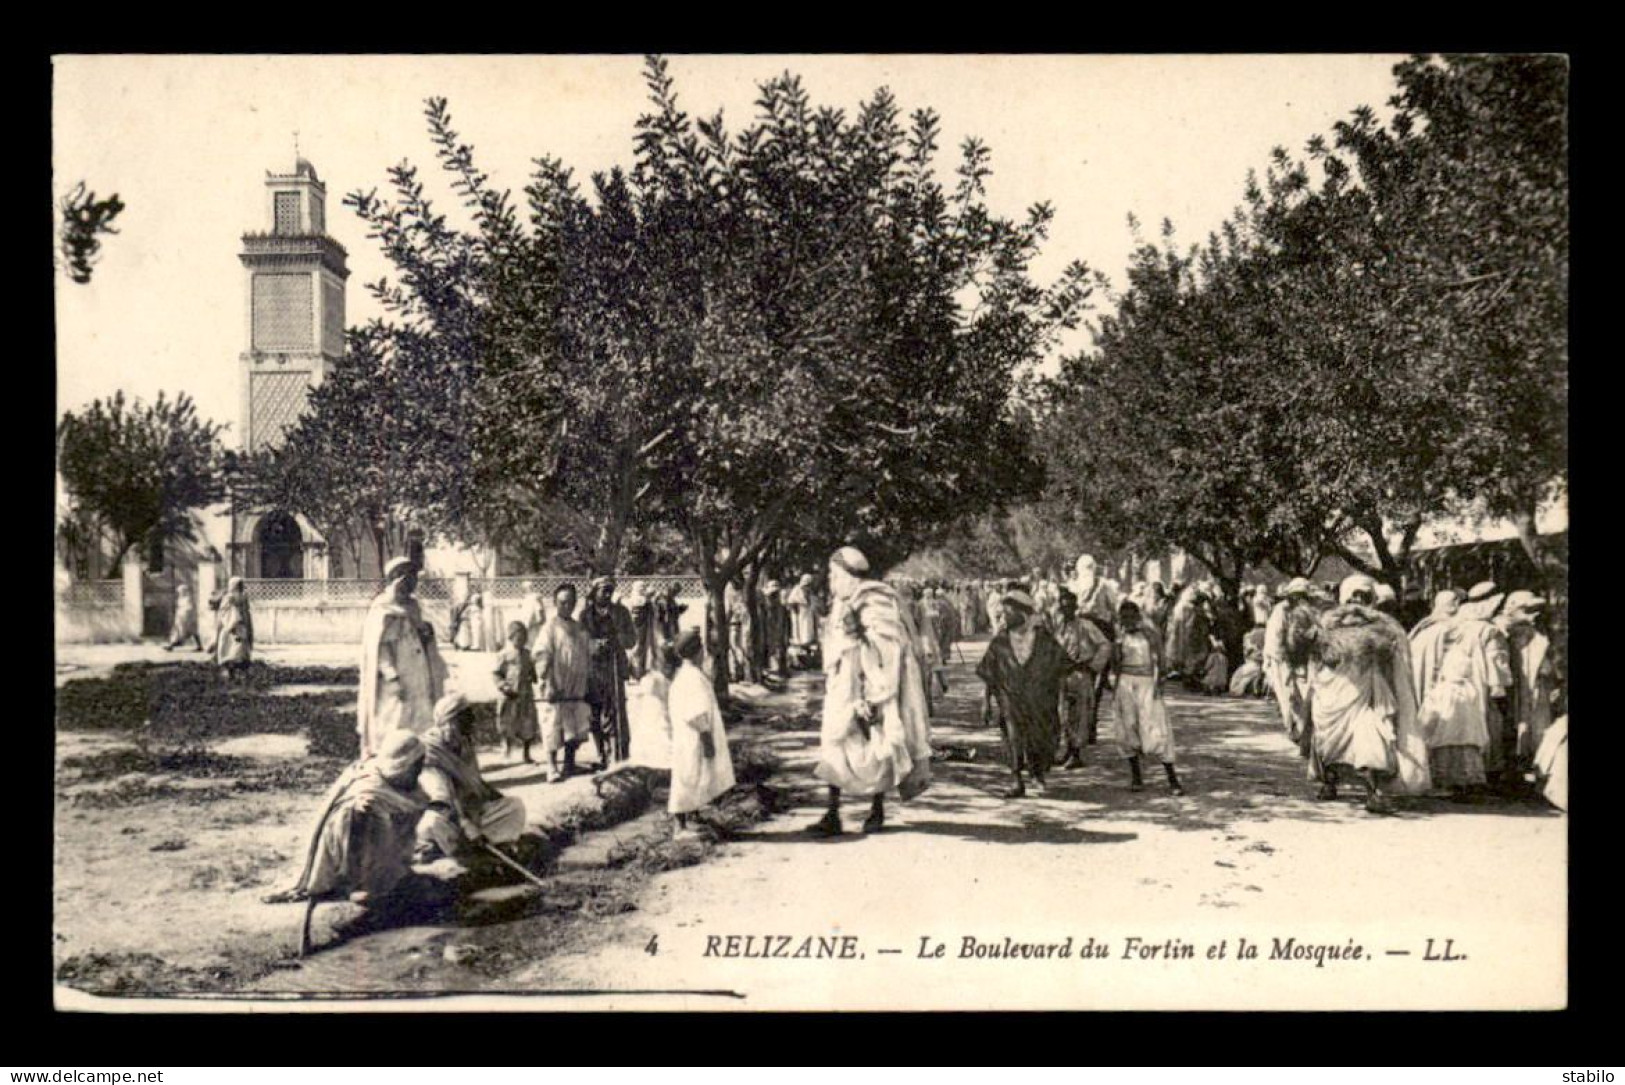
[[402, 674], [876, 733], [701, 766], [1533, 674], [1476, 618]]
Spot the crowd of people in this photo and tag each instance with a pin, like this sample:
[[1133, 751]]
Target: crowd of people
[[416, 795], [1467, 703]]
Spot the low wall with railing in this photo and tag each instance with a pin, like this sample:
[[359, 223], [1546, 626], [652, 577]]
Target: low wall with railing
[[334, 611], [94, 612], [327, 611]]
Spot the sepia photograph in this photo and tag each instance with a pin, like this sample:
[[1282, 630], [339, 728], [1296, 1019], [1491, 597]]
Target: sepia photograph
[[861, 532]]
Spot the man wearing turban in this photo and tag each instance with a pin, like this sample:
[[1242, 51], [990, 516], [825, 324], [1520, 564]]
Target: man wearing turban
[[876, 734], [463, 809], [402, 674], [234, 631], [1495, 681], [363, 838], [1097, 601], [610, 634], [1363, 702], [1024, 668]]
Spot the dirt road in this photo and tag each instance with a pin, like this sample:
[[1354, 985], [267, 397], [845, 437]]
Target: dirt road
[[1246, 854], [1088, 897]]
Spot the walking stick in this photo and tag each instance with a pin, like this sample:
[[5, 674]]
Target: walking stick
[[528, 876], [304, 927]]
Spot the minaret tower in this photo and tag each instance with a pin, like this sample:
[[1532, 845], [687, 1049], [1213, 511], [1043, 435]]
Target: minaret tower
[[295, 282]]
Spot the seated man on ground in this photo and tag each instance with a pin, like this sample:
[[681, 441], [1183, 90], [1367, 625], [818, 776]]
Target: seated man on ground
[[362, 842], [464, 812]]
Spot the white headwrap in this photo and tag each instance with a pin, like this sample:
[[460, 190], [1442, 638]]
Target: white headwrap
[[448, 706], [401, 751], [851, 559], [1354, 585]]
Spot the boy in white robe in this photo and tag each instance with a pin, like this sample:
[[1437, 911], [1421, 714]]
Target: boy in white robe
[[701, 766]]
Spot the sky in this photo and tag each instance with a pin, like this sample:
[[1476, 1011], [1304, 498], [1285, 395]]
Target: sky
[[186, 143]]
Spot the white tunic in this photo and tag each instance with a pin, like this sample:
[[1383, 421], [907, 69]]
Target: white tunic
[[695, 778], [402, 674]]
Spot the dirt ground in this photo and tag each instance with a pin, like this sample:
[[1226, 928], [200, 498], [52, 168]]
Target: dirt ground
[[168, 834], [159, 875], [1246, 853]]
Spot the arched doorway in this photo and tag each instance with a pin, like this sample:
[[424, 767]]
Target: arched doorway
[[281, 546]]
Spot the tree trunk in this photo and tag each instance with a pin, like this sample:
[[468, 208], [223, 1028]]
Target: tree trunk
[[380, 542], [717, 635], [118, 555], [1547, 566], [755, 643]]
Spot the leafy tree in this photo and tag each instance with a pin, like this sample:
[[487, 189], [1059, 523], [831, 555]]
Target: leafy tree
[[140, 469], [84, 220], [856, 330], [1337, 362], [780, 340], [1468, 190], [540, 352]]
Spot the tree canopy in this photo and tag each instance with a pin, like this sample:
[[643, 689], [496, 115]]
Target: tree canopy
[[781, 338], [140, 469], [1376, 336]]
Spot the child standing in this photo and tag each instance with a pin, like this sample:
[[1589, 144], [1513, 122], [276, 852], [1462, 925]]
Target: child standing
[[516, 676], [1216, 671], [1142, 716], [701, 767]]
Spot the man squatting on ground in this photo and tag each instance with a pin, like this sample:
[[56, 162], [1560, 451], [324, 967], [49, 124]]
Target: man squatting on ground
[[361, 843], [463, 811], [416, 799]]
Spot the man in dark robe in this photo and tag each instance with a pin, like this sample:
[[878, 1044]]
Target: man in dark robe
[[775, 628], [668, 613], [1090, 650], [610, 633], [1024, 669]]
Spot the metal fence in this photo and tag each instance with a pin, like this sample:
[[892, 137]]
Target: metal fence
[[514, 588], [95, 593], [497, 589]]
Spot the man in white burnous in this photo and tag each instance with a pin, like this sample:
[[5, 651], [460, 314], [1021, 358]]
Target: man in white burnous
[[876, 734], [402, 674]]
